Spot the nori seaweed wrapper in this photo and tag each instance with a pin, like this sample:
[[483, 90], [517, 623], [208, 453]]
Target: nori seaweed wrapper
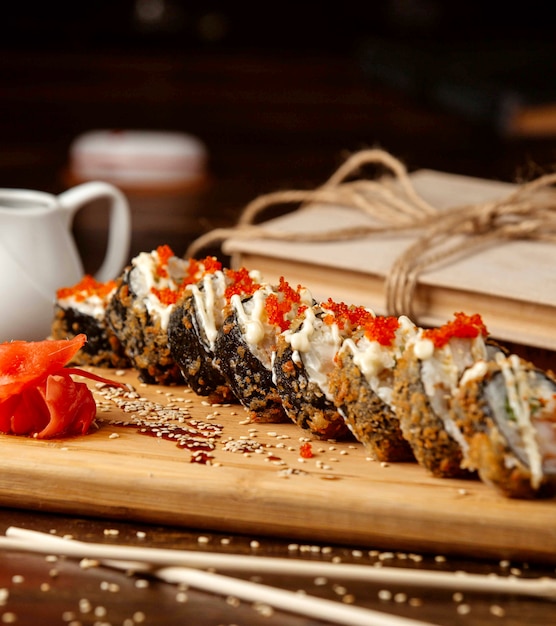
[[511, 437], [245, 345], [248, 378], [191, 343]]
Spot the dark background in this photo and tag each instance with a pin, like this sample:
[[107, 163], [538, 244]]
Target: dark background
[[280, 93]]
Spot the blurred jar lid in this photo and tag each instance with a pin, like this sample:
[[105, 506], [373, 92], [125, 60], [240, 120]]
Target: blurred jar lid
[[138, 158]]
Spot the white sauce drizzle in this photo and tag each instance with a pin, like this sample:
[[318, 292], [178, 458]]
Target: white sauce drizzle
[[93, 305], [520, 395], [209, 304], [251, 316], [372, 358], [143, 276], [314, 346]]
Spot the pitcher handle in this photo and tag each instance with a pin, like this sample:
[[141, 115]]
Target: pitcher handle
[[119, 226]]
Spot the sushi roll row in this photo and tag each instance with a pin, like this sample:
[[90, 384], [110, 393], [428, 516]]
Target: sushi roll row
[[448, 398]]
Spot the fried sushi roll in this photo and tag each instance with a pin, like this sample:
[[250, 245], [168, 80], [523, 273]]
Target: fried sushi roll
[[305, 356], [245, 346], [362, 381], [139, 311], [427, 376], [194, 325], [506, 410], [81, 309]]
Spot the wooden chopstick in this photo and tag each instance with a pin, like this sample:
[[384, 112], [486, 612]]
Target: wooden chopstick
[[30, 540], [281, 599]]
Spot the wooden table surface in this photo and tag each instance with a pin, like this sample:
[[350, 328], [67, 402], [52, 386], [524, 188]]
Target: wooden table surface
[[270, 122]]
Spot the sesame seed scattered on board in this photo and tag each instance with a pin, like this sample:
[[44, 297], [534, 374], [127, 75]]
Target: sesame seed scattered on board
[[497, 610], [463, 609]]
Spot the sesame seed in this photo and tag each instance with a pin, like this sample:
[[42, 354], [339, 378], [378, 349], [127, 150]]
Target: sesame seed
[[142, 583], [497, 610], [84, 606], [264, 609]]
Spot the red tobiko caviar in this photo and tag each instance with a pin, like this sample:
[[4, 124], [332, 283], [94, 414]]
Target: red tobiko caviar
[[306, 451], [165, 253], [166, 295], [381, 329], [346, 317], [197, 269], [462, 327], [86, 287], [279, 304], [241, 283]]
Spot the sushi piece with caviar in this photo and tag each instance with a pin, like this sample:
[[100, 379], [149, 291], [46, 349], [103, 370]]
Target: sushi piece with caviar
[[194, 324], [506, 410], [361, 384], [140, 308], [427, 376], [305, 356], [246, 342], [81, 309]]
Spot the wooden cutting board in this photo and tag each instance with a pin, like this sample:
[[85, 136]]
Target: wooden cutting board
[[337, 496]]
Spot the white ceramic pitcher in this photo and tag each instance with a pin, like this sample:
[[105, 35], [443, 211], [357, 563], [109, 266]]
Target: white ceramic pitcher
[[38, 253]]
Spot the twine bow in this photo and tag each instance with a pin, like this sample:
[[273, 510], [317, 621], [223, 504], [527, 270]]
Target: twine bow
[[528, 212]]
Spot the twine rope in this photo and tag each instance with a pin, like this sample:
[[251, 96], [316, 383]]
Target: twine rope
[[528, 212]]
